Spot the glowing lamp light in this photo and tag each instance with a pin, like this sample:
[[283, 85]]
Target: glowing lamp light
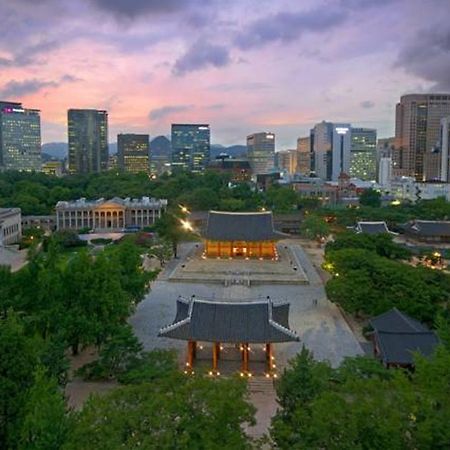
[[210, 373], [186, 225], [241, 374]]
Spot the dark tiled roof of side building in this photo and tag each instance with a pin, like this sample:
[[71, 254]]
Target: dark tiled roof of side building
[[372, 227], [246, 226], [429, 228], [399, 336], [230, 322]]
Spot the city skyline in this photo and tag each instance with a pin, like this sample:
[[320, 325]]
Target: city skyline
[[252, 67]]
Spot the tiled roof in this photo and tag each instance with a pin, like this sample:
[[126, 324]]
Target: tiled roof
[[398, 336], [372, 227], [230, 322], [231, 226]]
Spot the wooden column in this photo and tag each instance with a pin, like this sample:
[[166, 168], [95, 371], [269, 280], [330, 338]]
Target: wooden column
[[269, 357], [245, 358], [191, 350], [216, 351]]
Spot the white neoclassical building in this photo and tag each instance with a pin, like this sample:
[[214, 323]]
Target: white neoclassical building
[[115, 214], [10, 226]]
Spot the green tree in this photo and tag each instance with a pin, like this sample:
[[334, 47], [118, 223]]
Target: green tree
[[370, 197], [18, 359], [281, 199], [45, 421], [187, 413], [314, 227]]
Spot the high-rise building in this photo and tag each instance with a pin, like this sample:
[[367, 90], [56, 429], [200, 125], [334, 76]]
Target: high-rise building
[[331, 145], [385, 171], [304, 155], [286, 161], [190, 146], [133, 153], [20, 137], [363, 158], [444, 145], [261, 152], [417, 129], [88, 140]]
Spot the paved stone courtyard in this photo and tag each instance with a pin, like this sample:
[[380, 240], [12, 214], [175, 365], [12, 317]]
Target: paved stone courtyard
[[318, 322], [195, 268]]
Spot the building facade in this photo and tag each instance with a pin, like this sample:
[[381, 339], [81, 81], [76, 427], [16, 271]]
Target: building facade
[[133, 153], [261, 152], [190, 146], [363, 158], [10, 226], [331, 148], [304, 155], [20, 137], [385, 172], [53, 168], [444, 172], [286, 161], [407, 188], [417, 130], [115, 214], [88, 140]]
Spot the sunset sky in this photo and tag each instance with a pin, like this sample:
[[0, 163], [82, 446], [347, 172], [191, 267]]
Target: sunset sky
[[242, 66]]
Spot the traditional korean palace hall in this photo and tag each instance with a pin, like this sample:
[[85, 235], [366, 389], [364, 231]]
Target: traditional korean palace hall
[[240, 328], [240, 235]]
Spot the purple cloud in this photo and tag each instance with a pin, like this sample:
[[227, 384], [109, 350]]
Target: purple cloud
[[16, 89], [367, 104], [428, 56], [201, 55], [164, 111], [287, 26]]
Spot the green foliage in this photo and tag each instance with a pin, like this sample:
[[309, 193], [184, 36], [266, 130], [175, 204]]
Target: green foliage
[[366, 283], [281, 199], [45, 423], [187, 413], [370, 197], [362, 405], [18, 359], [64, 239], [150, 366], [314, 227], [382, 244], [117, 354]]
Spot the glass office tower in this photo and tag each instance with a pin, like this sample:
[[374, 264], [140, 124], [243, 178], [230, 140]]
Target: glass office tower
[[190, 146], [363, 158], [133, 153], [20, 137], [88, 140]]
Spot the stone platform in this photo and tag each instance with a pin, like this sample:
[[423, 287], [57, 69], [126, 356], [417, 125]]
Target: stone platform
[[286, 269]]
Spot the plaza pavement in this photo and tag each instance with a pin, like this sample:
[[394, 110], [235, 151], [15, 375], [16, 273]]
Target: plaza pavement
[[321, 327]]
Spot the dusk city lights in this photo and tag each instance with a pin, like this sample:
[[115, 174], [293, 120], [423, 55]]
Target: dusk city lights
[[224, 224]]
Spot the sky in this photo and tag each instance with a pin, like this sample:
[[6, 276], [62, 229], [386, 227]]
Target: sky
[[242, 66]]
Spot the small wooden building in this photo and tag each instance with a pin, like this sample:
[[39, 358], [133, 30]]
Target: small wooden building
[[397, 336], [429, 230], [244, 235], [230, 322]]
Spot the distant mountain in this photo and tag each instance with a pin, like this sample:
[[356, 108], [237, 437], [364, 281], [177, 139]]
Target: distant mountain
[[160, 146], [234, 151], [57, 150]]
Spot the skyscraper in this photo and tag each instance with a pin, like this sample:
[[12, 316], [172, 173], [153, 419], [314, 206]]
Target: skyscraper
[[261, 152], [304, 155], [190, 146], [444, 145], [133, 152], [88, 140], [20, 137], [385, 171], [286, 161], [363, 158], [331, 145], [417, 129]]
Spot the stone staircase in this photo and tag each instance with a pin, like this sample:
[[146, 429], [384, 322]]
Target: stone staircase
[[261, 385]]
